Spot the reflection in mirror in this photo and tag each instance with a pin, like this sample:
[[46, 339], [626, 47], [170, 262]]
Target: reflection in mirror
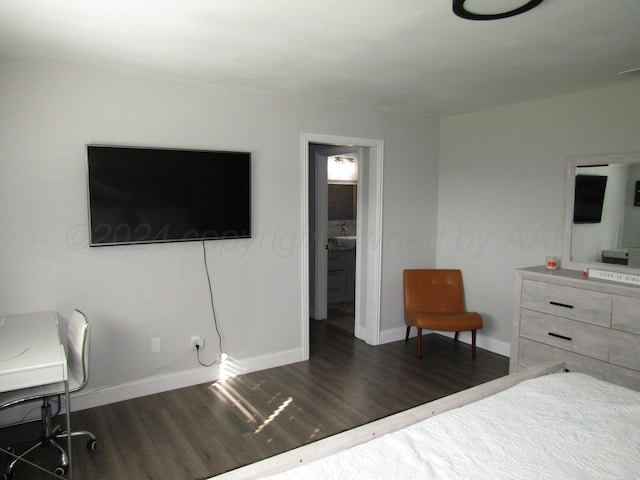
[[342, 202], [602, 214]]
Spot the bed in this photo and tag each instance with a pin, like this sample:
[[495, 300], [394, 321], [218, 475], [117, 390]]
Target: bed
[[538, 423]]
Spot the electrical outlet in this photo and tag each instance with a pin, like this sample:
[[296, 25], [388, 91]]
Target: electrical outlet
[[155, 345], [197, 340]]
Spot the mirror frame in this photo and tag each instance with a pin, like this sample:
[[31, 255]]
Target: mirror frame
[[585, 161]]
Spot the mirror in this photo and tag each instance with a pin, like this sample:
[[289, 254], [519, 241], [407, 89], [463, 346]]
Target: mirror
[[602, 213], [342, 201]]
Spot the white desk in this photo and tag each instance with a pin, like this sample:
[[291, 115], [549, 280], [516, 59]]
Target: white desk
[[30, 351], [31, 355]]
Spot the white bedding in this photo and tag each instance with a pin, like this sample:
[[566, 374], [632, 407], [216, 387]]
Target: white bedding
[[560, 426]]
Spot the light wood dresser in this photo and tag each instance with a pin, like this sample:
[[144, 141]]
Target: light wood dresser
[[593, 325]]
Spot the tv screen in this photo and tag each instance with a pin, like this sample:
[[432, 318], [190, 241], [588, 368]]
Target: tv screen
[[589, 198], [149, 195]]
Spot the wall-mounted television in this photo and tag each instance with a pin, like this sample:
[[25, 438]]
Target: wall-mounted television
[[589, 198], [151, 195]]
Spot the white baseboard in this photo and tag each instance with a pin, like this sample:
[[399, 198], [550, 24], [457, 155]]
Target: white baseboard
[[89, 398], [162, 383], [491, 344]]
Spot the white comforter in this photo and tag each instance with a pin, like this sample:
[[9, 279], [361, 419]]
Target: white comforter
[[561, 426]]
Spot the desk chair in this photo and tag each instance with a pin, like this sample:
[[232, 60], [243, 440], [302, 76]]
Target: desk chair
[[434, 300], [78, 367]]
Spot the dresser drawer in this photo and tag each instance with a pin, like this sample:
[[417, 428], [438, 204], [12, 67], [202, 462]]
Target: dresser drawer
[[578, 337], [626, 314], [578, 304], [533, 353], [624, 349], [592, 325]]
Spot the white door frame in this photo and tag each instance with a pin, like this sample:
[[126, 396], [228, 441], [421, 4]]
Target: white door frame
[[320, 240], [369, 237]]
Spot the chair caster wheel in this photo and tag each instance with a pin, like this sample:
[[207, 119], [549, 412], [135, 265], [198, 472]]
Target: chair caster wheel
[[91, 445], [61, 470]]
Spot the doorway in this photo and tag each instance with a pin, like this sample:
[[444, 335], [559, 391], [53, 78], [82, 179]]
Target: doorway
[[368, 250], [333, 208]]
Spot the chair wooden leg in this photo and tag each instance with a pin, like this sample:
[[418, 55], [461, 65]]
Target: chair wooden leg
[[473, 344], [406, 337], [419, 343]]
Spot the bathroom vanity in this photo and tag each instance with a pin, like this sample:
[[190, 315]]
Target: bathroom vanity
[[341, 276]]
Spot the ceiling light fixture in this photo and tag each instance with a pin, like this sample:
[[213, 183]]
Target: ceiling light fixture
[[460, 10], [342, 169], [342, 160]]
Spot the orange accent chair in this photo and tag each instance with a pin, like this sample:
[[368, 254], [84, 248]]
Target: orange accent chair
[[434, 300]]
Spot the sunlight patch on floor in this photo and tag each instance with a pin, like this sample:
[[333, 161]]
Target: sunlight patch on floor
[[229, 368], [275, 413], [225, 391]]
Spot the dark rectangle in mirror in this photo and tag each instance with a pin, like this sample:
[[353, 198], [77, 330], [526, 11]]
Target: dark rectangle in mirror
[[589, 198], [342, 202]]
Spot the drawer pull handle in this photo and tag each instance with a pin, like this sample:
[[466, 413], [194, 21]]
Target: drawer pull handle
[[559, 336], [558, 304]]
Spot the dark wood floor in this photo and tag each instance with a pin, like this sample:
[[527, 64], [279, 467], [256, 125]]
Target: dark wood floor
[[199, 431]]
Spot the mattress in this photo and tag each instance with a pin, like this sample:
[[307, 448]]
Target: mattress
[[560, 426]]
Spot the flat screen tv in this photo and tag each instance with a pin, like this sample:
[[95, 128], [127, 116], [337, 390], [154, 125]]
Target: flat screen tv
[[589, 198], [150, 195]]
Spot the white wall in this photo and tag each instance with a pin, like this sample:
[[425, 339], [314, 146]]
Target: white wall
[[501, 187], [134, 293], [410, 222]]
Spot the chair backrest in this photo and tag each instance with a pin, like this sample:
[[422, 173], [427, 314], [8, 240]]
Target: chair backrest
[[78, 339], [432, 290]]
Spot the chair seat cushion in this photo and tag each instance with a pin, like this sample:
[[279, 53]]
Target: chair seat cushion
[[451, 322]]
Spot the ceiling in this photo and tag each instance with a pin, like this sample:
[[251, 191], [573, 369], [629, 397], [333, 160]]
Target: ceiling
[[406, 55]]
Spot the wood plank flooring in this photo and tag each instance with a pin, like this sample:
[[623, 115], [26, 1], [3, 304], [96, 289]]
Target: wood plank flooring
[[195, 432]]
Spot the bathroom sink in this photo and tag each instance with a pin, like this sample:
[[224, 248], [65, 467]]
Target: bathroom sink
[[345, 242]]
